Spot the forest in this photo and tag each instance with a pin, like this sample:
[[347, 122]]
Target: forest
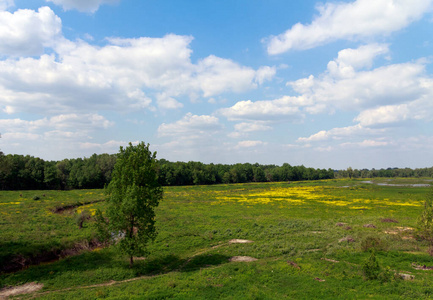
[[19, 172]]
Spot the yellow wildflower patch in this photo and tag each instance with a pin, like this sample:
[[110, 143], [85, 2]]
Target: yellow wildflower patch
[[308, 194]]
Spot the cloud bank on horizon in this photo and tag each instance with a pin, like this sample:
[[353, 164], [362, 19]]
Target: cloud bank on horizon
[[352, 87]]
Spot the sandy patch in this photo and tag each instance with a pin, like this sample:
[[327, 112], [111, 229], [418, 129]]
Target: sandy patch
[[424, 267], [238, 241], [242, 258], [397, 230], [21, 289]]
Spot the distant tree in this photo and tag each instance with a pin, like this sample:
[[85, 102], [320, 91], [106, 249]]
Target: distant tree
[[133, 194], [350, 172]]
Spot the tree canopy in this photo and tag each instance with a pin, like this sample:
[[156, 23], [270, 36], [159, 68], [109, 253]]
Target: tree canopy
[[133, 193]]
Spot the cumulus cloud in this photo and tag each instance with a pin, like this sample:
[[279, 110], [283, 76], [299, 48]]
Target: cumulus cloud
[[64, 133], [366, 144], [357, 20], [420, 109], [74, 121], [190, 125], [111, 146], [249, 144], [252, 126], [125, 74], [344, 86], [82, 5], [27, 32], [355, 131], [246, 128], [284, 108]]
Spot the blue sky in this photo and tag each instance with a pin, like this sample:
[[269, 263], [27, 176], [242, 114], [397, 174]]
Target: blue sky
[[324, 84]]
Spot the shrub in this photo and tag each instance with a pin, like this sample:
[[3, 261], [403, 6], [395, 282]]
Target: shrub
[[36, 198], [425, 220], [372, 243], [373, 271], [81, 217]]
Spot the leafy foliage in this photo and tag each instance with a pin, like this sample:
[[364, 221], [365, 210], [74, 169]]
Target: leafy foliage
[[425, 221], [133, 192]]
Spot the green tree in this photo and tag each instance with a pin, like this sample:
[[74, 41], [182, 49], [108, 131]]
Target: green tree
[[133, 194], [425, 220]]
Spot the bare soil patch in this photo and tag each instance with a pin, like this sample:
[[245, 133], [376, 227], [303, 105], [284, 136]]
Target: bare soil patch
[[293, 264], [347, 239], [369, 226], [330, 260], [21, 289], [388, 220], [242, 259], [239, 241], [340, 224], [424, 267]]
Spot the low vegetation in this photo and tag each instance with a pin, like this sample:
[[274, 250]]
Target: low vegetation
[[323, 239]]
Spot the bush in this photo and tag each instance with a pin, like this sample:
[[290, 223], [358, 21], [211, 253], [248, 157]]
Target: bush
[[36, 198], [372, 243], [81, 217], [425, 221], [373, 271]]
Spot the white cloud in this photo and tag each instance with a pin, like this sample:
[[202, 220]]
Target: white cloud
[[249, 144], [84, 122], [341, 133], [5, 4], [283, 108], [358, 20], [123, 75], [245, 128], [214, 75], [421, 109], [391, 84], [111, 146], [82, 5], [350, 60], [265, 73], [190, 126], [366, 144], [27, 32], [252, 126]]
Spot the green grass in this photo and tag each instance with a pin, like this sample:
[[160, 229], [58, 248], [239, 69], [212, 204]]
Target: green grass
[[293, 222]]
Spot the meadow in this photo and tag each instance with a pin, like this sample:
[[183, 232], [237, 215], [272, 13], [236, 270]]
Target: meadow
[[304, 240]]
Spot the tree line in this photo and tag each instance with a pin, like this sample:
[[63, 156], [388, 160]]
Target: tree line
[[19, 172]]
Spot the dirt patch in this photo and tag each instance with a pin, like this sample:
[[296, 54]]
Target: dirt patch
[[387, 220], [369, 226], [424, 267], [238, 241], [293, 264], [347, 239], [330, 260], [340, 224], [242, 259], [21, 289], [398, 230], [319, 279], [406, 276]]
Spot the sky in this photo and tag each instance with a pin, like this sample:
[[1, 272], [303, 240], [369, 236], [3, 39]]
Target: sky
[[327, 84]]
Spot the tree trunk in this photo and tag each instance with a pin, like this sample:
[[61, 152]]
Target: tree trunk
[[131, 261]]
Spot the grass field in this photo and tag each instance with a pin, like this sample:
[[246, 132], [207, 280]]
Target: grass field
[[309, 240]]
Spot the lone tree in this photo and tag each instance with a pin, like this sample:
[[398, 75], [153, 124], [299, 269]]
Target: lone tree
[[133, 193]]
